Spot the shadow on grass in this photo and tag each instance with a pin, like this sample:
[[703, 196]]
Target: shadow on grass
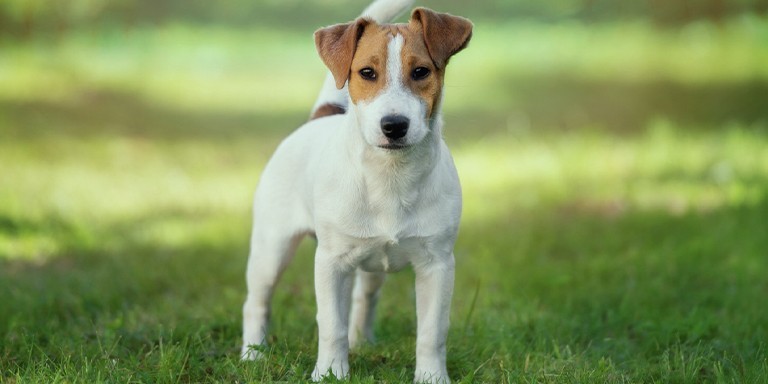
[[560, 103], [625, 106], [101, 113]]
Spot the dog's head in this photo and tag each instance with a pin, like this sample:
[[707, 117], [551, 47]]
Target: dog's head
[[395, 71]]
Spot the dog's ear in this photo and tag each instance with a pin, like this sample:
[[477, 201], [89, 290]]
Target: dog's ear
[[336, 45], [444, 34]]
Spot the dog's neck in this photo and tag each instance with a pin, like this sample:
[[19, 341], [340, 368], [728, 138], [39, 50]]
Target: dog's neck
[[396, 173]]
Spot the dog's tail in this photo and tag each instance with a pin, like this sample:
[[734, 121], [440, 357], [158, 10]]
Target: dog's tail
[[384, 11], [333, 101]]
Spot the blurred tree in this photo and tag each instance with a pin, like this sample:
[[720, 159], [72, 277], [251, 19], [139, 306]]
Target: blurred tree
[[25, 17]]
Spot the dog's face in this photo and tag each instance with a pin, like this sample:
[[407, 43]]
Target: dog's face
[[395, 72]]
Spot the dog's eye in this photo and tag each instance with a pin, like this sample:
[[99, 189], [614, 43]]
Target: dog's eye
[[420, 73], [368, 73]]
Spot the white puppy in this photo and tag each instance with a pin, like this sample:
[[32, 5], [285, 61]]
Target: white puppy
[[371, 177]]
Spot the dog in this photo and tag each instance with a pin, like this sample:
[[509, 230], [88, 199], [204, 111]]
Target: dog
[[370, 177]]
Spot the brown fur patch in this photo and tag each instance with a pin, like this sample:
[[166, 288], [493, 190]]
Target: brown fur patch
[[371, 53], [327, 110], [430, 40], [415, 54]]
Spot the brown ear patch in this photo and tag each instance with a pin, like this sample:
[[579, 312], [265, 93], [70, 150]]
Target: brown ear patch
[[337, 44], [327, 110], [444, 34]]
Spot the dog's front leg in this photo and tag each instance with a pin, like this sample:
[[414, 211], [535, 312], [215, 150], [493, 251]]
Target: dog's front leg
[[333, 286], [434, 289]]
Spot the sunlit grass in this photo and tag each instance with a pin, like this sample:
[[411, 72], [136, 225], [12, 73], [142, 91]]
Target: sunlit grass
[[660, 169]]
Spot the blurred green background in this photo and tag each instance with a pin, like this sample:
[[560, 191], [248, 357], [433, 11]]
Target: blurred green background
[[613, 155]]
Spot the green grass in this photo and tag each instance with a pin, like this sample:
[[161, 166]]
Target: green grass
[[616, 195]]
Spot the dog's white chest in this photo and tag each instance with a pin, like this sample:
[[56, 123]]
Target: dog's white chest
[[387, 237]]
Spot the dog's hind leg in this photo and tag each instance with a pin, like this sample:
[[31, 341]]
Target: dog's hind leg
[[270, 253], [364, 298]]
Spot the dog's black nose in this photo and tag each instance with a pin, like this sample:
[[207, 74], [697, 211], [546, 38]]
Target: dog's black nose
[[394, 126]]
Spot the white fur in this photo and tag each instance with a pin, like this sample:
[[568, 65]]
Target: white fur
[[373, 211]]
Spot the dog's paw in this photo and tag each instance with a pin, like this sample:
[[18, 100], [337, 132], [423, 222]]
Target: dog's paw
[[425, 376], [339, 371]]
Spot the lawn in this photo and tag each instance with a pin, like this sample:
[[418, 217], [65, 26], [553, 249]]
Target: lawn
[[614, 230]]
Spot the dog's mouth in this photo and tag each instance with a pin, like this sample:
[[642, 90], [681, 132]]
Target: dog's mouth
[[394, 146]]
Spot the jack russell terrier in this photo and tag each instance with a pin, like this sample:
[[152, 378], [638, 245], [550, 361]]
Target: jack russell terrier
[[372, 179]]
